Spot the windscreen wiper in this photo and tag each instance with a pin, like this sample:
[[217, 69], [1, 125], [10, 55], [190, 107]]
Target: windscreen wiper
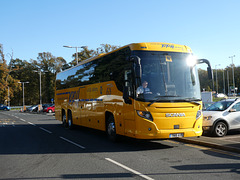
[[160, 98], [195, 101]]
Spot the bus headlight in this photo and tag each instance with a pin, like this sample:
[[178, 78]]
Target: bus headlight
[[145, 114], [199, 113]]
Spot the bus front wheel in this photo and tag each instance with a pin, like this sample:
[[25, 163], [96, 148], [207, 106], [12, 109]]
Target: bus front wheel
[[111, 129]]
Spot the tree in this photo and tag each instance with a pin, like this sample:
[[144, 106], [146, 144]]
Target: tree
[[50, 65], [8, 85], [106, 48], [205, 83], [85, 53], [222, 78]]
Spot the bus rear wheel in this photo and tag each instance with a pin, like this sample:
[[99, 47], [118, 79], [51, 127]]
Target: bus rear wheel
[[70, 122], [111, 129], [64, 120]]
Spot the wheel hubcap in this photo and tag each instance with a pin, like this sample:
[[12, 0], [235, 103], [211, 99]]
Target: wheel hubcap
[[64, 118], [111, 128], [221, 129]]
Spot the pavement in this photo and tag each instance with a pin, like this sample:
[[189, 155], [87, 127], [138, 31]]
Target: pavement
[[230, 142]]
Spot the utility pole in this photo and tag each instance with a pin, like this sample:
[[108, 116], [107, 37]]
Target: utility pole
[[216, 78], [23, 94], [224, 89], [233, 74], [84, 47]]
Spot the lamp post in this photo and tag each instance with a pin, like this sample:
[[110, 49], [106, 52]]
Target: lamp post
[[76, 50], [233, 74], [10, 67], [23, 92], [228, 83], [224, 88], [40, 86], [216, 77]]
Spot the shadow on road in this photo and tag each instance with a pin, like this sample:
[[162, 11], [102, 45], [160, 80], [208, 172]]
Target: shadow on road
[[28, 139]]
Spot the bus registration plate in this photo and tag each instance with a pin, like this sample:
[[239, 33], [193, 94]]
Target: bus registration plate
[[176, 135]]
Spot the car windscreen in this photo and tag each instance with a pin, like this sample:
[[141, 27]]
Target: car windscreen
[[219, 106]]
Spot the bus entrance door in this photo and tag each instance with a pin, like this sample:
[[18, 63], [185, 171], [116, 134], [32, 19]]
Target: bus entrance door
[[129, 122], [128, 106]]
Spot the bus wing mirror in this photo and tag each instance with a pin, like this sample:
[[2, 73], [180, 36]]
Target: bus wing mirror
[[126, 90], [137, 66], [210, 75], [209, 69]]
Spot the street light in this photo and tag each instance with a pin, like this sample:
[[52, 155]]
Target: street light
[[23, 92], [84, 47], [10, 69], [216, 77], [224, 88], [40, 87], [233, 74]]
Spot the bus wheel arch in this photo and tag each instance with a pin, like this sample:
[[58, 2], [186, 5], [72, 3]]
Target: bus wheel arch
[[110, 126]]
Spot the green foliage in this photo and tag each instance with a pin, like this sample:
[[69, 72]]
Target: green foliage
[[221, 79]]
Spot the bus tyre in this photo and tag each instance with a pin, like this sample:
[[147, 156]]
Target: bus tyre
[[220, 129], [70, 123], [111, 129], [64, 120]]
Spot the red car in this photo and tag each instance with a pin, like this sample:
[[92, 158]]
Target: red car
[[50, 109]]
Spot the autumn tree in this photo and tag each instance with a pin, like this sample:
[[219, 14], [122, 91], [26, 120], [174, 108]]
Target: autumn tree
[[8, 84]]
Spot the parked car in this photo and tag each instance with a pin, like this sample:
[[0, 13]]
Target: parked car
[[50, 109], [3, 107], [33, 108], [206, 105], [45, 106], [221, 95], [221, 117]]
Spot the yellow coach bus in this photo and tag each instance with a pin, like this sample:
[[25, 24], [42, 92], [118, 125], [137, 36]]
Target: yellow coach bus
[[141, 90]]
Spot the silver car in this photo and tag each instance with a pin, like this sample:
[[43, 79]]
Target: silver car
[[221, 117]]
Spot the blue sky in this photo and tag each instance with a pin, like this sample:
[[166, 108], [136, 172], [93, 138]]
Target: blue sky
[[210, 27]]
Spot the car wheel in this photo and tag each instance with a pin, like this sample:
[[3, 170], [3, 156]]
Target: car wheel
[[220, 129], [111, 129], [70, 123]]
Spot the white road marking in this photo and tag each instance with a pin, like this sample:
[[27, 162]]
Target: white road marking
[[129, 169], [45, 130], [31, 123], [78, 145]]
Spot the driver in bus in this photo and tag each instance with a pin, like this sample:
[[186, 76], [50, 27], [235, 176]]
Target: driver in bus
[[143, 89]]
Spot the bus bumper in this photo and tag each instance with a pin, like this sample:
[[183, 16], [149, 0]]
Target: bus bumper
[[150, 131]]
